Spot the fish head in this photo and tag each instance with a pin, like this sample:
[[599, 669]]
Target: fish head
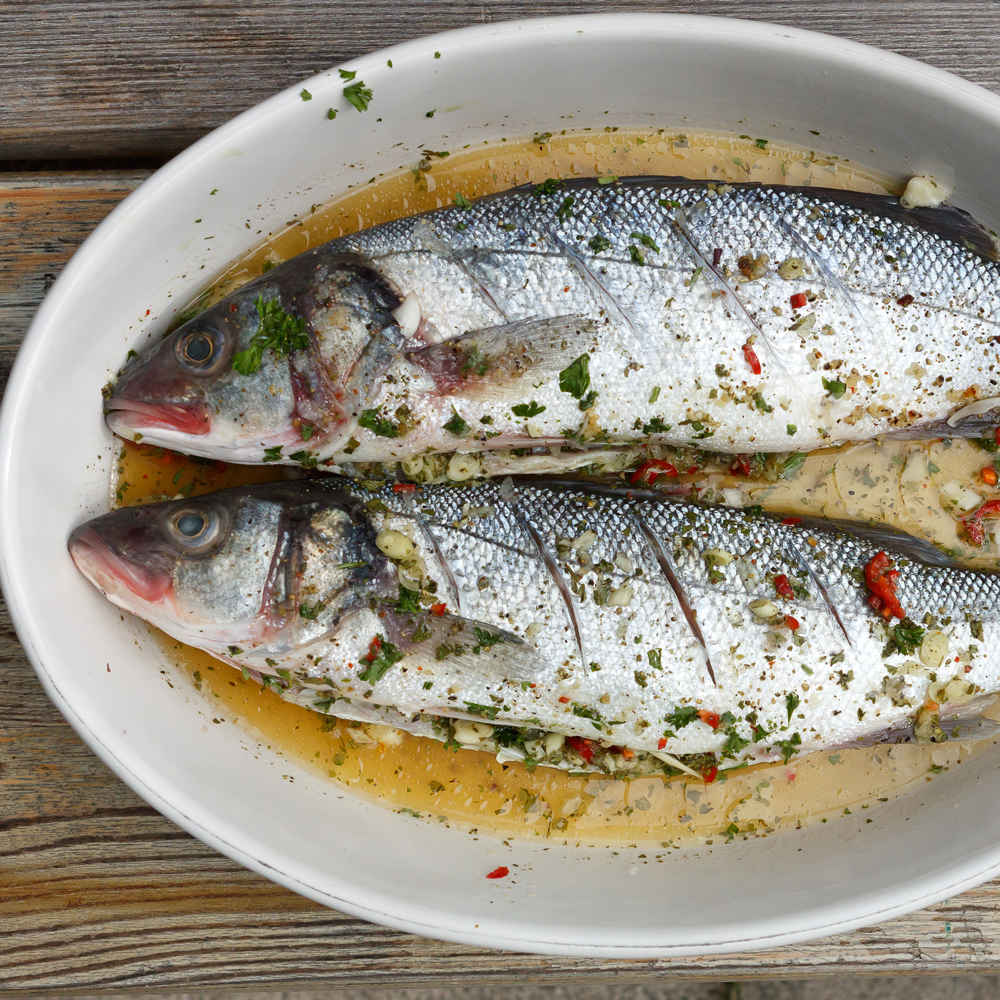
[[283, 362], [254, 567]]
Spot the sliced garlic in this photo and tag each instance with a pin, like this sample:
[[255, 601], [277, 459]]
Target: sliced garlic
[[471, 733], [463, 467], [408, 315], [395, 545], [621, 597], [933, 650], [924, 192]]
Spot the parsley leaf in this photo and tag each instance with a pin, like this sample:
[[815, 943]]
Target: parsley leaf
[[311, 612], [377, 424], [456, 425], [531, 409], [682, 716], [599, 243], [409, 601], [359, 95], [788, 747], [791, 703], [273, 454], [904, 638], [635, 255], [563, 211], [576, 378], [305, 95], [387, 655], [461, 201], [654, 657], [347, 74], [547, 187], [487, 711], [306, 459], [278, 331], [646, 241]]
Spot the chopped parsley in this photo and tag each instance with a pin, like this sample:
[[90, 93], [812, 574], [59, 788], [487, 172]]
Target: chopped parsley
[[791, 703], [903, 638], [609, 179], [456, 425], [655, 394], [588, 401], [834, 388], [547, 187], [305, 95], [791, 429], [273, 454], [646, 241], [599, 243], [681, 716], [311, 612], [358, 94], [635, 255], [531, 409], [460, 201], [655, 426], [563, 212], [377, 424], [788, 747], [409, 601], [487, 711], [654, 657], [306, 431], [379, 664], [576, 378], [306, 459], [278, 331], [485, 639]]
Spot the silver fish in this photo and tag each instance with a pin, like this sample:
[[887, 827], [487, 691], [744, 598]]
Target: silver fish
[[735, 318], [576, 626]]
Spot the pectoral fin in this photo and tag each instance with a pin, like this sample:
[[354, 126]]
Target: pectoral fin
[[496, 358]]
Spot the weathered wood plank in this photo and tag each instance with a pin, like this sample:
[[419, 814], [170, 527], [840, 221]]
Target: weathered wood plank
[[99, 892], [99, 78]]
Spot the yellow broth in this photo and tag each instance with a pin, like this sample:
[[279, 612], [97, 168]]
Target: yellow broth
[[894, 482]]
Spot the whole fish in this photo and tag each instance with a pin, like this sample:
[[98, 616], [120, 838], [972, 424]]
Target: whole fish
[[585, 315], [582, 628]]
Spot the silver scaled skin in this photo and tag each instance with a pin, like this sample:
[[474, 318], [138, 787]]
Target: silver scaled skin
[[734, 318], [630, 621]]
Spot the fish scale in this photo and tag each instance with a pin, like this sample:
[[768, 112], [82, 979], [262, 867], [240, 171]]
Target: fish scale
[[896, 335]]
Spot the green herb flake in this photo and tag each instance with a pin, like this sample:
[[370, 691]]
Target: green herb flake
[[791, 703], [575, 379], [646, 241], [347, 74], [599, 243], [378, 666], [609, 179], [377, 424], [563, 211], [635, 255], [429, 114], [547, 187], [655, 394], [834, 388], [306, 459], [278, 331], [306, 431], [791, 429], [460, 201], [305, 95], [359, 95], [531, 409], [273, 454], [409, 601], [904, 638], [655, 658], [456, 425], [760, 143], [311, 612], [331, 113]]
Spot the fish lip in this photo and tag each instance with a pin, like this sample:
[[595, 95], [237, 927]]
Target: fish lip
[[128, 415], [112, 574]]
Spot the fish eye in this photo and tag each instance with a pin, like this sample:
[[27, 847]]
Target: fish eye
[[203, 350], [198, 528]]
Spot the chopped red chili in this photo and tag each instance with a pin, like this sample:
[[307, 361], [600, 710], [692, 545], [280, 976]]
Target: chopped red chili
[[799, 300], [438, 609], [649, 471], [710, 775], [563, 699], [904, 300], [585, 748], [750, 355], [791, 520], [712, 719], [792, 623], [403, 487], [740, 466], [881, 580], [783, 587], [662, 743], [502, 872], [974, 522], [373, 647]]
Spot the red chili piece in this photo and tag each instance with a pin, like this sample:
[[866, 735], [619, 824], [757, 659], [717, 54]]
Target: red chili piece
[[662, 743], [740, 466], [585, 748], [373, 647], [710, 775], [438, 609], [904, 300], [791, 520], [783, 587], [403, 487], [881, 580], [502, 872], [792, 623], [748, 353], [799, 300], [563, 699], [974, 521], [996, 436], [712, 719], [649, 471]]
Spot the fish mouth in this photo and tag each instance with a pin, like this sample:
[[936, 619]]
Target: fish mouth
[[125, 416], [114, 576]]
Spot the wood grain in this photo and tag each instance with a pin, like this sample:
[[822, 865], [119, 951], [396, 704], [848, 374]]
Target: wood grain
[[98, 78], [99, 892]]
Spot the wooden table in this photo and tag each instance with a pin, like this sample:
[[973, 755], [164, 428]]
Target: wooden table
[[97, 891]]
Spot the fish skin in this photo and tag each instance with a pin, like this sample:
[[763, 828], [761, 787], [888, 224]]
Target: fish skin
[[585, 669], [670, 329]]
